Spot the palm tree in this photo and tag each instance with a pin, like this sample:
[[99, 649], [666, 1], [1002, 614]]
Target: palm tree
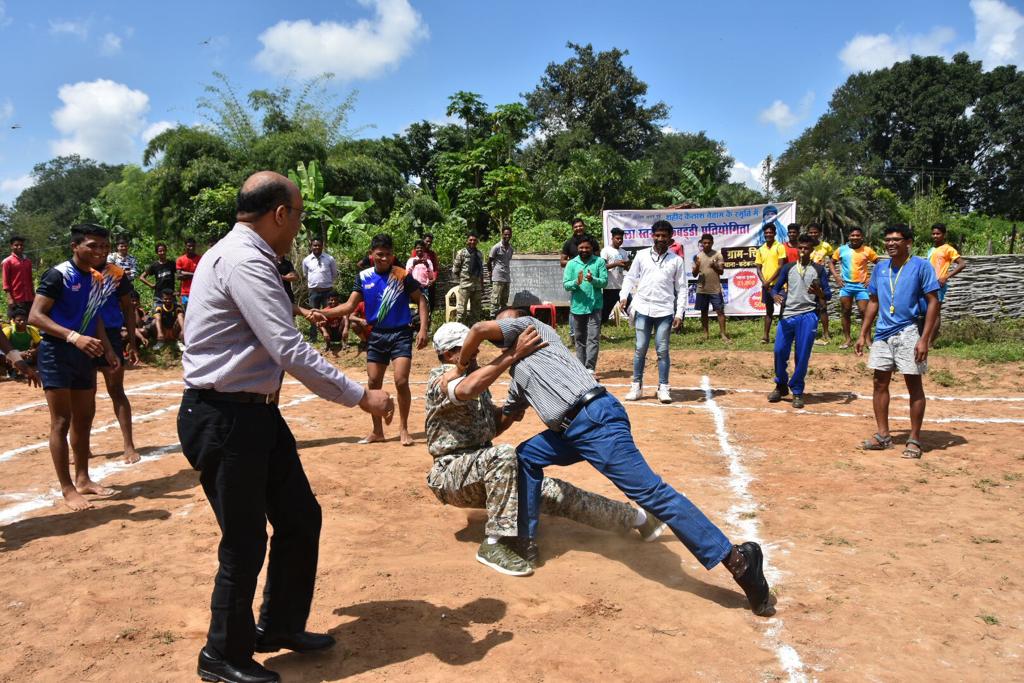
[[822, 196]]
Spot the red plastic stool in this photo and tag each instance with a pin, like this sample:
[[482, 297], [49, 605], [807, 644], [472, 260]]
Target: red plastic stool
[[550, 308]]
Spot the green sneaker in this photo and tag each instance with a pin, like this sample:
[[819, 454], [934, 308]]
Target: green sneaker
[[502, 558], [651, 528]]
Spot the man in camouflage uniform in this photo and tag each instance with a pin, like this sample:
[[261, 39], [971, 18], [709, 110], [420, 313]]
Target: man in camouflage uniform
[[469, 471], [468, 270]]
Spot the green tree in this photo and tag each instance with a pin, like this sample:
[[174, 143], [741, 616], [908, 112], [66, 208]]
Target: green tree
[[822, 196], [598, 96], [62, 187]]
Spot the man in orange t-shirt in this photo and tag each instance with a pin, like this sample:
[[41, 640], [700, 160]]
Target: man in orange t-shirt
[[946, 261], [185, 266]]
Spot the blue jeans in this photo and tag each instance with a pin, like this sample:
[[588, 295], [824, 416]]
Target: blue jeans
[[600, 434], [799, 329], [662, 329]]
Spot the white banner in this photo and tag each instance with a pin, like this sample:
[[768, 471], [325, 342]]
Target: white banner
[[738, 232]]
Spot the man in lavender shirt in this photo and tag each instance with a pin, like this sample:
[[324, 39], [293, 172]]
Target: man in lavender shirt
[[241, 339]]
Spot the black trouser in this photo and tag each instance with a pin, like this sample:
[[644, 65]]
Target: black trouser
[[611, 297], [317, 300], [250, 471]]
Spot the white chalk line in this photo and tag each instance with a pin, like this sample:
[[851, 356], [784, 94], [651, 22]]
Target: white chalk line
[[739, 482], [131, 392], [32, 502]]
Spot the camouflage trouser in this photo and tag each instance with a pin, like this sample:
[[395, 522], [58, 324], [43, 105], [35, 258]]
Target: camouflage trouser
[[487, 479]]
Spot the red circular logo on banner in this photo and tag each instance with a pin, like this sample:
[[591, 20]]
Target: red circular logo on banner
[[755, 300], [745, 279]]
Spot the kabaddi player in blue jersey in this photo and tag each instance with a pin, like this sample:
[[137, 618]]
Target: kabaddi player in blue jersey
[[66, 310]]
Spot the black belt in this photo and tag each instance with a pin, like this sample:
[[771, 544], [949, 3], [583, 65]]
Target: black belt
[[581, 402], [234, 396]]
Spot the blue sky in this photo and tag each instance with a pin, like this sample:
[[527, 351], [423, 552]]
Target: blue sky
[[100, 78]]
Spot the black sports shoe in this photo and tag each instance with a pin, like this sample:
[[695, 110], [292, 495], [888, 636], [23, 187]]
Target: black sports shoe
[[752, 580], [526, 548], [780, 391]]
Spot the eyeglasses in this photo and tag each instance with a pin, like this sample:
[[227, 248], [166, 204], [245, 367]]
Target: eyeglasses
[[302, 214]]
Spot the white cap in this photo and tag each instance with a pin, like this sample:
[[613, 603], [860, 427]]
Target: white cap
[[449, 336]]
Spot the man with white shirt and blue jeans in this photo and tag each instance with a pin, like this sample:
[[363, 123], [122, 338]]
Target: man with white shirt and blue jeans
[[320, 271], [902, 292], [657, 281]]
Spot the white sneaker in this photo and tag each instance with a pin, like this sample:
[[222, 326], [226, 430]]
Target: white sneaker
[[181, 347], [663, 394], [636, 389], [159, 345]]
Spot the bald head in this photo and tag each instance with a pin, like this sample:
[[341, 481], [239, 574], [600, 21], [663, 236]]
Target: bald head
[[262, 193]]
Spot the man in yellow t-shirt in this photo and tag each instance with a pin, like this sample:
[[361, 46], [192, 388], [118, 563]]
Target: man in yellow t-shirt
[[821, 255], [946, 261], [769, 259]]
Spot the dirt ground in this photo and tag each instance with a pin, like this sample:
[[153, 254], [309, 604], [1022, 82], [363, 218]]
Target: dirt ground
[[884, 568]]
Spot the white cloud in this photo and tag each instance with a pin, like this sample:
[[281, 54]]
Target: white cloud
[[362, 49], [779, 114], [4, 19], [6, 110], [10, 188], [998, 33], [748, 175], [110, 45], [79, 29], [881, 50], [100, 120], [154, 129]]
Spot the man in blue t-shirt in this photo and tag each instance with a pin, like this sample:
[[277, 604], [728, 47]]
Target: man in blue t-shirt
[[66, 311], [116, 312], [388, 290], [904, 297]]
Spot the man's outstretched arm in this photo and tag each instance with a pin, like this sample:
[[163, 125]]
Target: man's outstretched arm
[[476, 382], [486, 330]]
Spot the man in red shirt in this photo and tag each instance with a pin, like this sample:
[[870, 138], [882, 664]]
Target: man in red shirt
[[792, 251], [428, 252], [185, 266], [17, 277]]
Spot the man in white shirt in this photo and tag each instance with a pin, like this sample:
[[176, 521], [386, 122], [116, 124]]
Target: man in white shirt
[[657, 281], [617, 259], [320, 271]]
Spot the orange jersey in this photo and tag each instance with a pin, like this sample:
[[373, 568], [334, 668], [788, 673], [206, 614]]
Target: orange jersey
[[942, 258]]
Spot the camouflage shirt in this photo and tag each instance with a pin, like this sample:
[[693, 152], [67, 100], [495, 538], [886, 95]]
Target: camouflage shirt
[[455, 427]]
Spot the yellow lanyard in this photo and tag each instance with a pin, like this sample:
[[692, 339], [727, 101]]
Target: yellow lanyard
[[892, 287]]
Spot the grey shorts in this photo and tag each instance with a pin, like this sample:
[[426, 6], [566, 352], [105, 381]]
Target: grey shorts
[[897, 353]]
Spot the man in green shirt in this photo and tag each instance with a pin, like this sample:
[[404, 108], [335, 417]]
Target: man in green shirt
[[586, 276]]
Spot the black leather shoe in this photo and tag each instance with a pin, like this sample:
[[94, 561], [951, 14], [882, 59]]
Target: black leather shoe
[[304, 641], [216, 669]]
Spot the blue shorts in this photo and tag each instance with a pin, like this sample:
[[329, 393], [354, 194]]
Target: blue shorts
[[702, 302], [117, 345], [184, 300], [63, 366], [855, 291], [942, 292], [384, 346]]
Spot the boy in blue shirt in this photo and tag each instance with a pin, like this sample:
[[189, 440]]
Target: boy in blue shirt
[[387, 291], [902, 292], [118, 311], [66, 310]]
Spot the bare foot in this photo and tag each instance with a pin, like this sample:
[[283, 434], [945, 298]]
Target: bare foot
[[373, 438], [131, 456], [405, 437], [89, 486], [74, 500]]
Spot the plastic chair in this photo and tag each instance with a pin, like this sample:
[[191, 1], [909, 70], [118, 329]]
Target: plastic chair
[[451, 304], [551, 310]]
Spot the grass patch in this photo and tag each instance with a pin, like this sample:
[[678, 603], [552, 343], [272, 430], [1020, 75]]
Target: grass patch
[[1013, 476], [985, 485], [990, 619], [943, 377], [166, 637], [832, 539], [989, 341], [981, 540]]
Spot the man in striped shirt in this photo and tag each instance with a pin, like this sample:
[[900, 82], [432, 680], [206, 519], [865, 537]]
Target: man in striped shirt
[[585, 422]]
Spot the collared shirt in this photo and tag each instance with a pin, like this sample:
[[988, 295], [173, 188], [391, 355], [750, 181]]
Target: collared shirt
[[660, 284], [550, 380], [320, 271], [618, 273], [422, 272], [468, 268], [571, 247], [129, 264], [431, 256], [587, 296], [709, 281], [501, 262], [240, 332], [17, 277]]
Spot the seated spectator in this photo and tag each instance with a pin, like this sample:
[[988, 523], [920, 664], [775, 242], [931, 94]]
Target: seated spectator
[[23, 337], [357, 324], [335, 330], [145, 325], [170, 321]]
